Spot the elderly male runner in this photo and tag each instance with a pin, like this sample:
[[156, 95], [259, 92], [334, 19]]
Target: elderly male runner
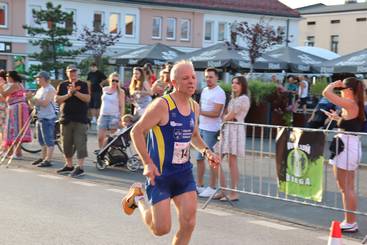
[[172, 125]]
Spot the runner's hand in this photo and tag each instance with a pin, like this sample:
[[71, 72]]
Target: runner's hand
[[213, 159], [151, 171]]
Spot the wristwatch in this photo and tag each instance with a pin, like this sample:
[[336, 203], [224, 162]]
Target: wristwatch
[[204, 151]]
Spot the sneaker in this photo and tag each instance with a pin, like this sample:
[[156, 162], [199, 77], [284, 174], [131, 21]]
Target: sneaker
[[44, 164], [200, 189], [208, 192], [128, 204], [38, 161], [78, 172], [65, 170], [346, 227], [15, 157]]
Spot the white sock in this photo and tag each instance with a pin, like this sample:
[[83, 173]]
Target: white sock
[[138, 198]]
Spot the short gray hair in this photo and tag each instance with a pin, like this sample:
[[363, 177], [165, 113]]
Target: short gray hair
[[173, 74]]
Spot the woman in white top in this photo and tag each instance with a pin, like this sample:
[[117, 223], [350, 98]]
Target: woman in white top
[[234, 135], [112, 108], [140, 91]]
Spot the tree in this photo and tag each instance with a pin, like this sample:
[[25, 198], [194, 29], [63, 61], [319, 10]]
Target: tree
[[97, 41], [51, 36], [258, 37]]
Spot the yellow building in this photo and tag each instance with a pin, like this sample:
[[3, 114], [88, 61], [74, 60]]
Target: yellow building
[[339, 28]]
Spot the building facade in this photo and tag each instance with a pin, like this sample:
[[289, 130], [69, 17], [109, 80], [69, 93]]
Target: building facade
[[339, 28], [185, 25]]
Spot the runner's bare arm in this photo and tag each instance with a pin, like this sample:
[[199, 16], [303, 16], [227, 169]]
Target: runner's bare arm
[[153, 116], [198, 143]]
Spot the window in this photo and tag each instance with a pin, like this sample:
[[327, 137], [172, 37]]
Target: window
[[334, 21], [114, 23], [361, 19], [97, 21], [221, 31], [3, 15], [311, 23], [334, 41], [310, 41], [185, 30], [209, 31], [129, 25], [157, 28], [171, 29], [69, 22]]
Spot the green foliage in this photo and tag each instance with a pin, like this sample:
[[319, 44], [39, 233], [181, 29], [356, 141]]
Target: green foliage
[[51, 36], [227, 87], [260, 90], [317, 88], [287, 118]]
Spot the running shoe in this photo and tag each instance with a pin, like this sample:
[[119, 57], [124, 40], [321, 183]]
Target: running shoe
[[208, 192], [200, 189], [65, 170], [128, 204], [44, 164], [347, 227]]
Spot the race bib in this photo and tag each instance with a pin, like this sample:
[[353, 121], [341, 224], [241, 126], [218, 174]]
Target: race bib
[[181, 152]]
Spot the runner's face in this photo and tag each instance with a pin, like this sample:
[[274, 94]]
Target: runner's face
[[211, 79], [186, 80]]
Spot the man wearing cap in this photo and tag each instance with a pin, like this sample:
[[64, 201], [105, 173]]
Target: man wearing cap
[[46, 112], [73, 97]]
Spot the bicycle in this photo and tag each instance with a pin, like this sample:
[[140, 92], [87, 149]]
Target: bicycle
[[34, 147]]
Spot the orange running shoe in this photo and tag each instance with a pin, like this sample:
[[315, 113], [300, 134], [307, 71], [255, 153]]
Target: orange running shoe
[[128, 204]]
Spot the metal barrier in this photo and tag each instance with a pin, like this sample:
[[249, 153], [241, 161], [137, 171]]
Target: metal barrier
[[259, 176]]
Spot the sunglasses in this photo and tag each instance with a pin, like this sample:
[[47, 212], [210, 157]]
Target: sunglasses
[[115, 81]]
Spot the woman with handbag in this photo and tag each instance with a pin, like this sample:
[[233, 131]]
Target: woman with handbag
[[46, 113], [346, 148]]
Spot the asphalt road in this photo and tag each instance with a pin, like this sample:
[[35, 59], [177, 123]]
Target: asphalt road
[[39, 207]]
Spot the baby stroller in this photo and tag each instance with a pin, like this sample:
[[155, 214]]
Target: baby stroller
[[117, 152]]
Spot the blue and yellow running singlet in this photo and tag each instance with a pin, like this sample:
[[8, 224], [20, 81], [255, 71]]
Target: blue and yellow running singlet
[[169, 145]]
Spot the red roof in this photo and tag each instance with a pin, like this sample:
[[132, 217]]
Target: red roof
[[264, 7]]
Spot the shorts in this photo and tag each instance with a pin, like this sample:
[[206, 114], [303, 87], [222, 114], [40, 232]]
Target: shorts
[[74, 137], [210, 138], [303, 101], [350, 157], [95, 100], [46, 131], [170, 186], [108, 122]]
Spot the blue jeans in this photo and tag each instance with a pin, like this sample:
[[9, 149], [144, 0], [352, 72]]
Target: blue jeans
[[46, 131], [108, 122], [210, 138]]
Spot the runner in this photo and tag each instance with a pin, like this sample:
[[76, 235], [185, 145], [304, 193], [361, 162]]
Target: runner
[[172, 124]]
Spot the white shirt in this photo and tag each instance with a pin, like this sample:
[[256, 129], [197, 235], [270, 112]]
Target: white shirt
[[208, 99], [303, 93]]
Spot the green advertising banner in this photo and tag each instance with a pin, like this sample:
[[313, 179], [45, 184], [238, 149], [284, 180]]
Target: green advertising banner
[[299, 163]]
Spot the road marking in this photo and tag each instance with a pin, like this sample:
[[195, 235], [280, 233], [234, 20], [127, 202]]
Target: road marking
[[350, 242], [49, 176], [83, 183], [118, 191], [19, 170], [272, 225], [215, 212]]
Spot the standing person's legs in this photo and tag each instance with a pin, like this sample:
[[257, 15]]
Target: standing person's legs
[[186, 205], [233, 168], [345, 181], [80, 141], [48, 134], [67, 131]]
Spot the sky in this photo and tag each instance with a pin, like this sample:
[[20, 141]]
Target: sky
[[301, 3]]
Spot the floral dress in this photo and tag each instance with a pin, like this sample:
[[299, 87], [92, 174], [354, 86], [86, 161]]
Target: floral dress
[[234, 135], [17, 115]]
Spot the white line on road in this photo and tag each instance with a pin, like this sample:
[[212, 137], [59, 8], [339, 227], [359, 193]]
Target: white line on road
[[83, 183], [118, 191], [20, 170], [49, 176], [215, 212], [272, 225], [345, 241]]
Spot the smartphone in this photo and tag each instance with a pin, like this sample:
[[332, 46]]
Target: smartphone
[[325, 111]]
